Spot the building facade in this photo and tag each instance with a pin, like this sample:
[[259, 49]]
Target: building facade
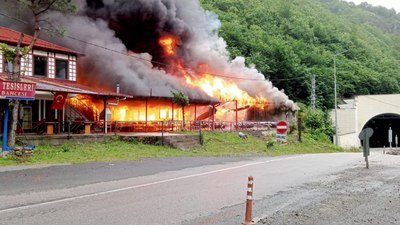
[[53, 70], [379, 112]]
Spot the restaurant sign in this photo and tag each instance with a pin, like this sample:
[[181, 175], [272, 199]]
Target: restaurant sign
[[17, 90]]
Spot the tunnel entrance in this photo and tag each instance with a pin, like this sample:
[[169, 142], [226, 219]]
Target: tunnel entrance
[[380, 124]]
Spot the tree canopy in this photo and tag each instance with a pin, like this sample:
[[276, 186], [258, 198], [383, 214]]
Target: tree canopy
[[290, 40], [180, 98]]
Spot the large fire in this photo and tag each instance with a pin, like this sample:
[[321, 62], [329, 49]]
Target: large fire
[[214, 86], [85, 106], [225, 91], [142, 110], [233, 105]]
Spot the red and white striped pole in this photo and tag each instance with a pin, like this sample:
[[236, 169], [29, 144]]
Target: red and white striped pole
[[249, 202]]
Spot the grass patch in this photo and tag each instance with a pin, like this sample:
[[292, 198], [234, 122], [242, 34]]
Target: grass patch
[[307, 146], [229, 143], [215, 144]]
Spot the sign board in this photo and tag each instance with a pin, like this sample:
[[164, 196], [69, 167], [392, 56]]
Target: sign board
[[17, 90], [281, 137], [364, 136], [281, 127]]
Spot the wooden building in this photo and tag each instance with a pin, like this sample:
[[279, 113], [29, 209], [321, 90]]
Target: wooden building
[[53, 71]]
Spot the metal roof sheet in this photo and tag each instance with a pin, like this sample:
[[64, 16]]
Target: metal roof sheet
[[12, 36]]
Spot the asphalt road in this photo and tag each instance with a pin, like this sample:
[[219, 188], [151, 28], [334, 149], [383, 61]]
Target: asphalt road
[[157, 191], [355, 196]]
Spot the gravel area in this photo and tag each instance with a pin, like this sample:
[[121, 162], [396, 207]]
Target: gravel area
[[354, 196]]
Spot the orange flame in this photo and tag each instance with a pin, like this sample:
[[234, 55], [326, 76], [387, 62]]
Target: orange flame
[[157, 110], [169, 44], [86, 106], [225, 91], [214, 86]]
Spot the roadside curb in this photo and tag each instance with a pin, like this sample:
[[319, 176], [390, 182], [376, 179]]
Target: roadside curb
[[28, 167]]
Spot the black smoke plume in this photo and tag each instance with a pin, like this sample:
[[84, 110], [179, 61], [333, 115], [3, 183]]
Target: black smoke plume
[[120, 43]]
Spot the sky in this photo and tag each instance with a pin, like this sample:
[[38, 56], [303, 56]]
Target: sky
[[395, 4]]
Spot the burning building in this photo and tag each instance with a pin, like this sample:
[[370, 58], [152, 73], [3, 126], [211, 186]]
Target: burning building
[[152, 47]]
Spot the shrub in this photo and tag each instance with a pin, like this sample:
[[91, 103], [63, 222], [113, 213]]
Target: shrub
[[317, 123]]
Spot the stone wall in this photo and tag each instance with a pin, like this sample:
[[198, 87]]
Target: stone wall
[[61, 139], [183, 142], [261, 134]]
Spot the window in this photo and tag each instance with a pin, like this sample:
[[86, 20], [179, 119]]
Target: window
[[61, 69], [40, 66], [8, 66]]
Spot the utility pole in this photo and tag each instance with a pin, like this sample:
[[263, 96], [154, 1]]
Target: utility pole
[[313, 96], [336, 121], [336, 114]]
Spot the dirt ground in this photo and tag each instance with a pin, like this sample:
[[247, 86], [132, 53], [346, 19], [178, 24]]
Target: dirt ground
[[354, 196]]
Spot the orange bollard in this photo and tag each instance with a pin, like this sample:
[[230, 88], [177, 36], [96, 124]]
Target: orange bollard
[[249, 202]]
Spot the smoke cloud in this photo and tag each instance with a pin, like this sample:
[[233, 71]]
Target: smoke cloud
[[131, 29]]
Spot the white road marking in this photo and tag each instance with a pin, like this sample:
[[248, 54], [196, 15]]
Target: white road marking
[[142, 185]]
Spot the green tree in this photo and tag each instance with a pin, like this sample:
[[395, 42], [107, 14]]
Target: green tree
[[291, 39], [318, 123], [37, 9], [182, 100]]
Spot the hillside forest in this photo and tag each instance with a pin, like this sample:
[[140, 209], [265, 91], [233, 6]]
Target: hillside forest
[[289, 41]]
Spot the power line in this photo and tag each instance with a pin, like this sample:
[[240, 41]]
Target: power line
[[156, 62], [387, 103], [293, 78], [161, 63]]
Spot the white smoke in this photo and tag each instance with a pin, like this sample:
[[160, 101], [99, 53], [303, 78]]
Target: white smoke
[[207, 47]]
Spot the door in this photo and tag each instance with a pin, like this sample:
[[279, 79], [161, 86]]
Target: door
[[27, 117]]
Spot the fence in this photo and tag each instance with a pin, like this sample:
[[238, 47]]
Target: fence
[[79, 126], [178, 125]]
